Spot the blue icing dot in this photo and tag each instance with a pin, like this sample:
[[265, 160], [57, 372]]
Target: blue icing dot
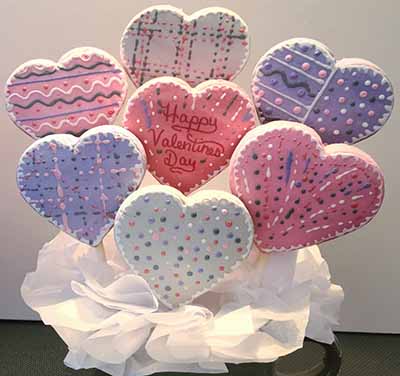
[[293, 75], [146, 199], [196, 248], [200, 270], [230, 236], [218, 254], [151, 220], [201, 230]]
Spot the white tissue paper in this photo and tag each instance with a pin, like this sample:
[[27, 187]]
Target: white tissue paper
[[110, 319]]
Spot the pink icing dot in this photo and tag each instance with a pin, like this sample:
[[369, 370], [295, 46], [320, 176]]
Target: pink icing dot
[[340, 81], [322, 73], [288, 57], [278, 101], [363, 94], [349, 121], [326, 112], [342, 100], [322, 130], [371, 113], [375, 86], [296, 110], [306, 66]]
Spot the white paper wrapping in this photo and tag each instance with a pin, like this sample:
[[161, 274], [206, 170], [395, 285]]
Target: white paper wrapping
[[110, 319]]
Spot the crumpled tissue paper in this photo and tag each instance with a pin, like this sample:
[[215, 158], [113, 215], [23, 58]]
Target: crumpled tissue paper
[[110, 319]]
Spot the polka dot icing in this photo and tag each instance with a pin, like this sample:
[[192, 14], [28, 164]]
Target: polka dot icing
[[215, 235], [189, 134], [304, 193], [78, 184], [162, 40], [315, 84]]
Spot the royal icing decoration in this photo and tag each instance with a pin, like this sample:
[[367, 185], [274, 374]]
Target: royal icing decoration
[[344, 101], [189, 134], [299, 192], [163, 41], [182, 246], [86, 88], [78, 184]]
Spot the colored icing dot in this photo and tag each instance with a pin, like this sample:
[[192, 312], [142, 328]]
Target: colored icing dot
[[327, 111], [221, 268], [349, 121], [218, 254], [340, 81], [288, 57], [322, 130], [367, 83], [336, 132], [375, 86], [156, 267], [297, 110], [322, 73], [305, 66], [365, 125], [371, 113], [381, 97], [301, 92], [293, 75], [343, 111], [342, 100], [278, 101], [363, 94]]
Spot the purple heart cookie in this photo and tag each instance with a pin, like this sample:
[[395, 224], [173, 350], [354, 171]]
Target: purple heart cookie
[[78, 184], [345, 101]]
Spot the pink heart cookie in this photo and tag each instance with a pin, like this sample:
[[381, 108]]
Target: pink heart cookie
[[299, 192], [212, 43], [189, 134], [86, 88]]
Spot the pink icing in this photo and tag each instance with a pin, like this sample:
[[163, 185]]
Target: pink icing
[[189, 134], [299, 192]]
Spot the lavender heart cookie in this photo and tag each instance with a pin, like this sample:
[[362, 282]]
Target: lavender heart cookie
[[78, 184], [345, 101], [182, 245]]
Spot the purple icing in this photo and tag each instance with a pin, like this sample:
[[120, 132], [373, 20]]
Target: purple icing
[[78, 184], [300, 80]]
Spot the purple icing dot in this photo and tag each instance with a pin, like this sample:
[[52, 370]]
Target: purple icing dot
[[200, 270], [301, 92], [146, 199], [196, 249], [149, 258], [293, 75], [201, 230], [267, 65], [230, 236], [274, 81], [218, 254], [141, 235], [151, 220], [304, 48], [181, 283], [268, 111], [176, 227], [165, 242]]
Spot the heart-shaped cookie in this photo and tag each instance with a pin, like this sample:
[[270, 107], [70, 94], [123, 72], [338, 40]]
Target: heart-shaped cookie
[[189, 133], [344, 101], [163, 41], [86, 88], [78, 184], [182, 246], [299, 192]]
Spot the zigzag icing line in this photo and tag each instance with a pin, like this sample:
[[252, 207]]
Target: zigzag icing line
[[80, 97], [57, 89], [61, 124], [60, 68]]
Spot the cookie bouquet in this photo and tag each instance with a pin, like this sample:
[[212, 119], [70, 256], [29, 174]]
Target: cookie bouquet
[[169, 277]]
